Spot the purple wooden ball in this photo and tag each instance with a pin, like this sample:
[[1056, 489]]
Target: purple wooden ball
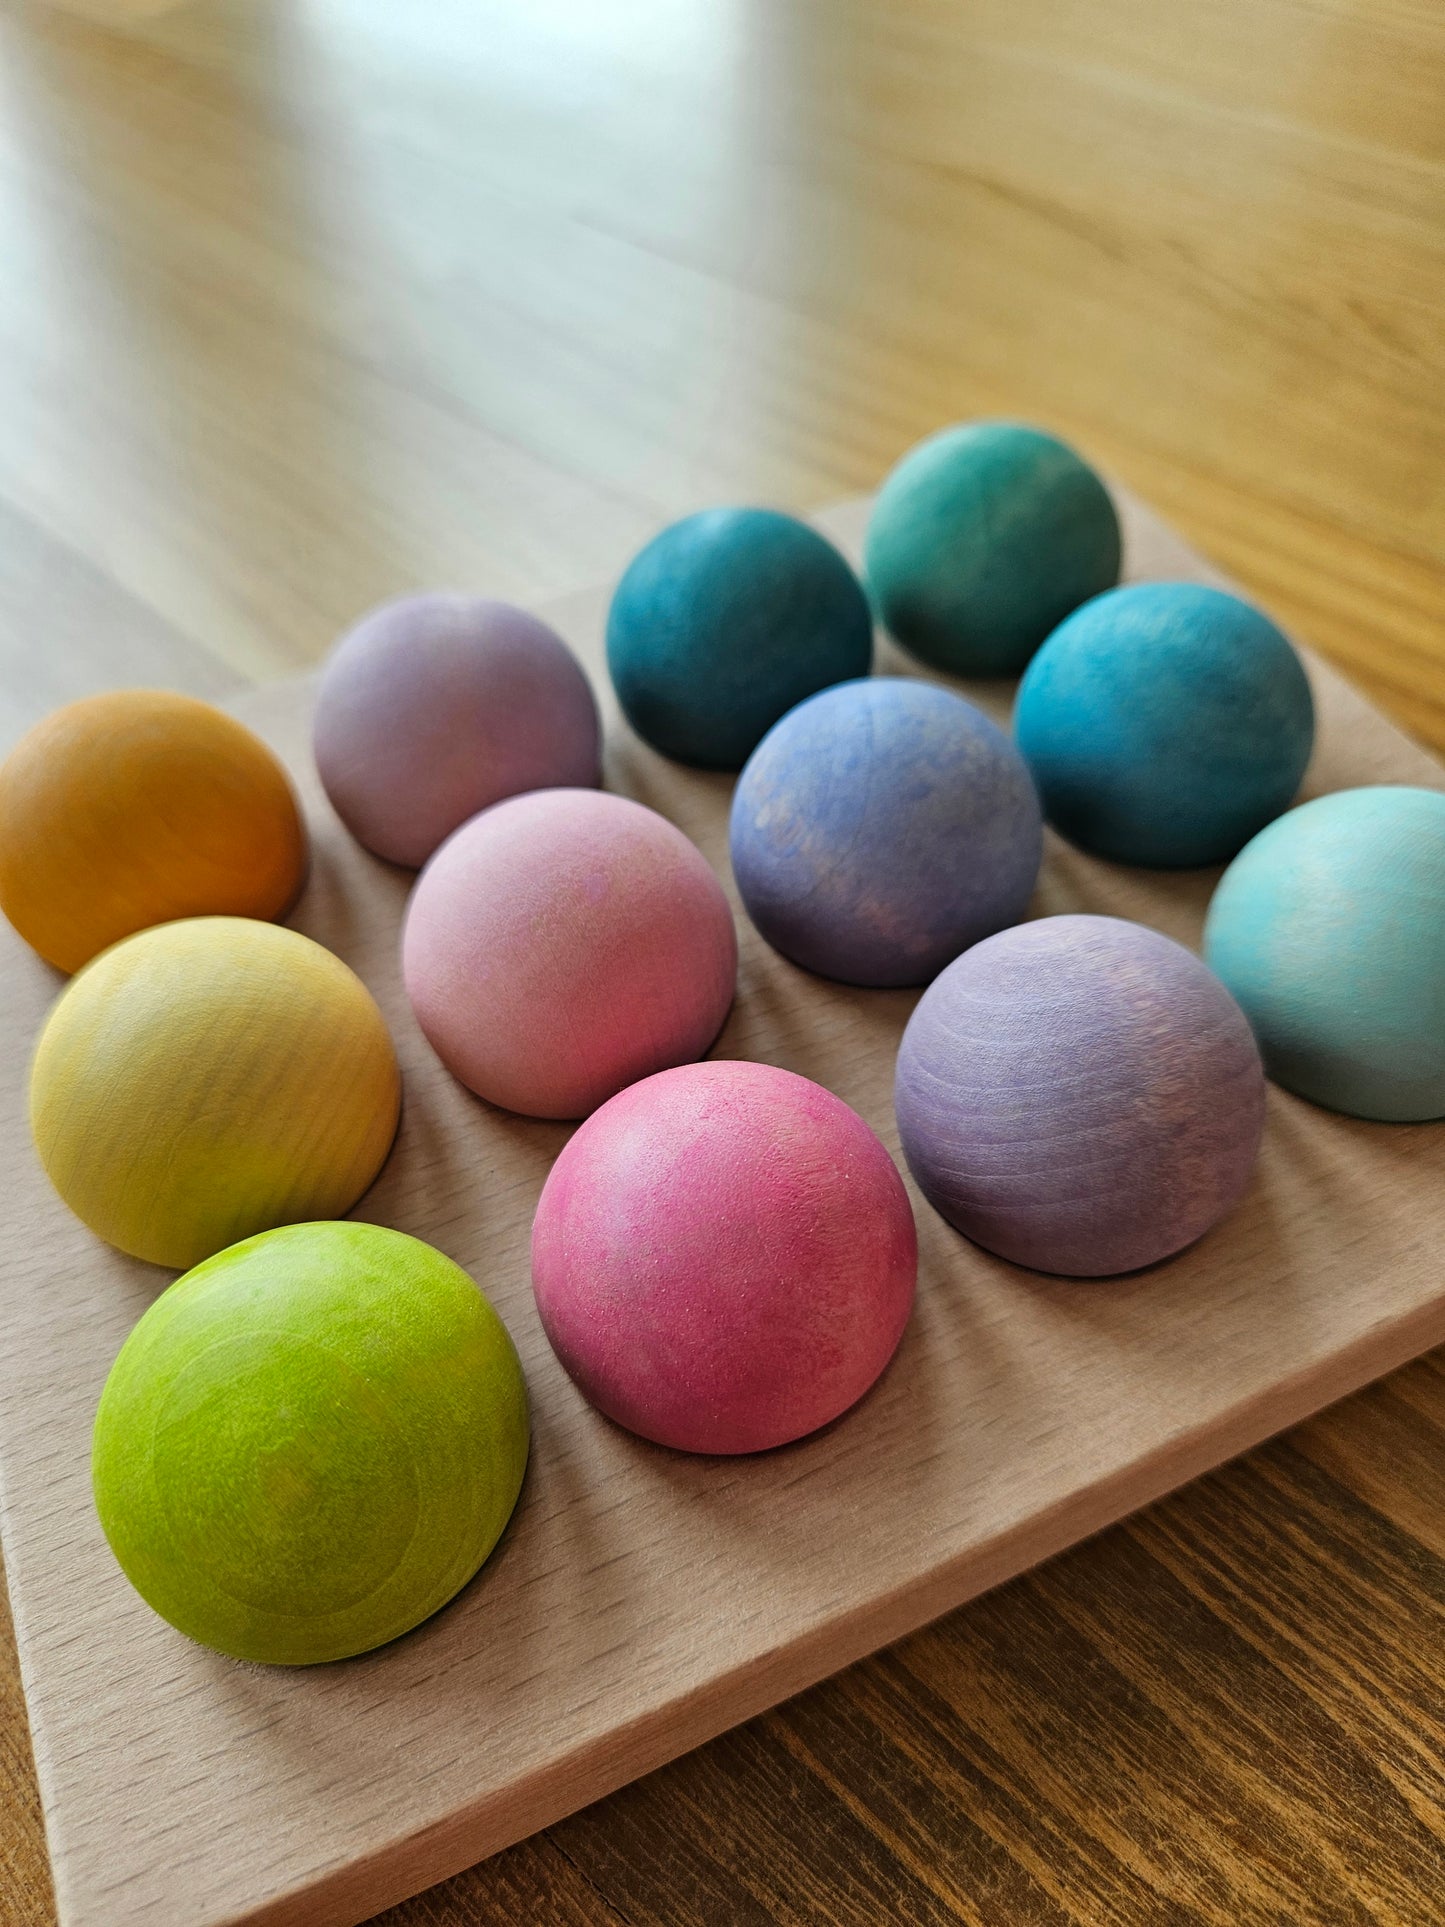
[[436, 706], [1080, 1095]]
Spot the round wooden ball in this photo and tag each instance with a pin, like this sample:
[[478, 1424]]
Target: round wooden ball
[[982, 539], [724, 1257], [1164, 724], [435, 706], [565, 944], [132, 809], [1329, 927], [310, 1443], [1080, 1095], [726, 620], [882, 827], [210, 1079]]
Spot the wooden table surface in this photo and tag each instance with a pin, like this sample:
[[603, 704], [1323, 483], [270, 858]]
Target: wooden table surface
[[307, 301]]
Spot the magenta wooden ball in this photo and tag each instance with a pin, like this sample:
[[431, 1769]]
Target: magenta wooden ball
[[435, 706], [724, 1257], [564, 944]]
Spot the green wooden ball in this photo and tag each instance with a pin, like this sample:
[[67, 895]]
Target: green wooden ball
[[309, 1443], [982, 540]]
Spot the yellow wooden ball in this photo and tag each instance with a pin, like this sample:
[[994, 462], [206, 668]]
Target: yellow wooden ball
[[210, 1079], [130, 809]]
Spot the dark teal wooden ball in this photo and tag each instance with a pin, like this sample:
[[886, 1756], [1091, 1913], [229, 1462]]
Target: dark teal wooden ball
[[984, 538], [723, 623]]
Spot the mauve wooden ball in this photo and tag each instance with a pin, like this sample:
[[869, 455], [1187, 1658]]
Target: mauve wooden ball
[[1080, 1095], [141, 807], [563, 944], [724, 1257], [435, 706]]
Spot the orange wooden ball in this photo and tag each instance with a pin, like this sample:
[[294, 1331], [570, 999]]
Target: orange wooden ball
[[135, 808]]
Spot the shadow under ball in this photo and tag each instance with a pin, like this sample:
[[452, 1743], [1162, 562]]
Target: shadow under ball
[[1329, 927], [210, 1079], [1080, 1095], [982, 539], [724, 1257], [882, 827], [563, 944], [435, 706], [723, 622], [310, 1443], [136, 808], [1165, 723]]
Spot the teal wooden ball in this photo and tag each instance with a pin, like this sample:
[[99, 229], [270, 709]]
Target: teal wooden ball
[[1329, 928], [1165, 724], [724, 622], [310, 1442], [982, 540]]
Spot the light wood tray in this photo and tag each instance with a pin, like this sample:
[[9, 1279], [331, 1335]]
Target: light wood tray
[[642, 1601]]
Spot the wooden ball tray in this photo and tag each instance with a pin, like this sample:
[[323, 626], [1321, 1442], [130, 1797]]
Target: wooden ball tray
[[642, 1601]]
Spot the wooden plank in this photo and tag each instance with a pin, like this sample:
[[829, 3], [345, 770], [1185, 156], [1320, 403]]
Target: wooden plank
[[643, 1601]]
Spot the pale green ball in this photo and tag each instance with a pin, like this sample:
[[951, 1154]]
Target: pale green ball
[[310, 1443]]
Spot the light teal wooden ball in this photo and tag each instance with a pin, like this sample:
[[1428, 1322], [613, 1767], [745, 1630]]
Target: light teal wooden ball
[[982, 540], [1329, 928], [310, 1443]]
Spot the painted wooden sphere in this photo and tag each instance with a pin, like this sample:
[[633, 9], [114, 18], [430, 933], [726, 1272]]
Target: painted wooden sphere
[[1165, 723], [882, 827], [127, 810], [982, 539], [210, 1079], [724, 1257], [1329, 927], [723, 622], [310, 1443], [435, 706], [1080, 1095], [564, 944]]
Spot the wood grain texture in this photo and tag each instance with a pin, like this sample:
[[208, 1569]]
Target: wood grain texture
[[307, 301], [642, 1601]]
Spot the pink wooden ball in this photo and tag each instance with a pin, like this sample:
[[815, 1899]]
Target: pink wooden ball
[[435, 706], [564, 944], [724, 1257]]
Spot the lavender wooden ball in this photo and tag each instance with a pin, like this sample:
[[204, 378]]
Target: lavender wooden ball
[[436, 706], [880, 828], [1080, 1095]]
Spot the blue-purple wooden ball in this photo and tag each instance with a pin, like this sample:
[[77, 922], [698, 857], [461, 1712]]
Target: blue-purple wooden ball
[[881, 828], [723, 622], [1165, 723]]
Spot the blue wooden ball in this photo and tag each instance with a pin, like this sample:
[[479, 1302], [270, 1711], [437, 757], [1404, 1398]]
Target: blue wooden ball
[[1329, 928], [723, 622], [1165, 724], [982, 539], [881, 828]]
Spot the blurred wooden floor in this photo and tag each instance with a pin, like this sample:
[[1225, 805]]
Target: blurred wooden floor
[[305, 301]]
